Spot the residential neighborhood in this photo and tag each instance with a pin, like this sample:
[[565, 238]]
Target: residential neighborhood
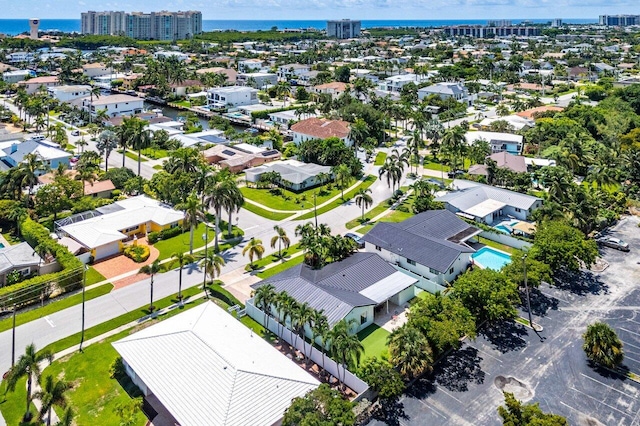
[[350, 224]]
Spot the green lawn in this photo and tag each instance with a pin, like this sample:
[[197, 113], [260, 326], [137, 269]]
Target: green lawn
[[180, 243], [154, 153], [369, 180], [266, 213], [158, 167], [368, 215], [93, 276], [432, 165], [133, 156], [495, 245], [374, 340], [283, 266], [293, 202], [95, 395], [12, 404], [268, 260], [185, 104], [58, 305], [380, 158]]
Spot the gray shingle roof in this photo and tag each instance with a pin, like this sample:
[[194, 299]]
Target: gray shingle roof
[[18, 256], [334, 288], [426, 238]]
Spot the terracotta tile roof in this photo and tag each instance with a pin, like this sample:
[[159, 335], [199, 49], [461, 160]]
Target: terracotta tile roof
[[97, 187], [336, 85], [322, 128], [529, 113]]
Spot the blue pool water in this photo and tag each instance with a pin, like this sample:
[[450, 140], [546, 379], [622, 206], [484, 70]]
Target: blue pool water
[[1, 246], [503, 228], [488, 257]]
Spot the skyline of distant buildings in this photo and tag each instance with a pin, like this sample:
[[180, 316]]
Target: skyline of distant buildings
[[619, 20], [343, 28], [163, 25]]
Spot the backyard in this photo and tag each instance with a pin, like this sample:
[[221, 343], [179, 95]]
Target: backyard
[[374, 341]]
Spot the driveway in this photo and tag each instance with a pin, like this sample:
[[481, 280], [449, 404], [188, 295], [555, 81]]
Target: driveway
[[551, 369]]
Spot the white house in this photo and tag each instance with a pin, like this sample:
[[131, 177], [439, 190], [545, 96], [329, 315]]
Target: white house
[[499, 141], [335, 88], [294, 174], [11, 77], [430, 246], [47, 151], [289, 71], [96, 69], [321, 128], [251, 65], [232, 96], [257, 79], [171, 54], [488, 204], [204, 367], [114, 104], [395, 83], [33, 84], [69, 93], [447, 90]]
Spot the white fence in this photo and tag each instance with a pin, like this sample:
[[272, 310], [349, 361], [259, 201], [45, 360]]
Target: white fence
[[505, 239], [350, 379], [85, 258]]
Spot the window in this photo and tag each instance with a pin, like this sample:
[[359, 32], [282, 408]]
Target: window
[[363, 318], [433, 271], [451, 271], [133, 228], [378, 248], [411, 262], [24, 272], [518, 210]]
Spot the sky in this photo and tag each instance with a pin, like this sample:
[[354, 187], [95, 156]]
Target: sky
[[333, 9]]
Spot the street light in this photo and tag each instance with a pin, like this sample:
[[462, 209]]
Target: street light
[[13, 337], [204, 267], [84, 284], [526, 290]]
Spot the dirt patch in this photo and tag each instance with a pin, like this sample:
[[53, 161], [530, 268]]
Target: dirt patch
[[512, 385]]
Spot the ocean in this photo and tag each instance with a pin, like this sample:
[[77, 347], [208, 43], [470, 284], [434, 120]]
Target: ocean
[[17, 26]]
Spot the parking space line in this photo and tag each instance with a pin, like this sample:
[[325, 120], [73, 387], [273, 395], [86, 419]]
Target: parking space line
[[606, 385], [435, 410], [448, 394], [630, 344], [629, 331], [488, 354], [574, 409], [603, 403]]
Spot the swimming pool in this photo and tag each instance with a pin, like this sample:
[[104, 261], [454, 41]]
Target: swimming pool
[[491, 258], [506, 227], [1, 246]]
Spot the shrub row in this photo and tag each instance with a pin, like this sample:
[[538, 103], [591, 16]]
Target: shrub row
[[41, 287], [154, 237]]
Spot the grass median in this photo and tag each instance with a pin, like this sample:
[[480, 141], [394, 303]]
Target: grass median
[[366, 183], [267, 214]]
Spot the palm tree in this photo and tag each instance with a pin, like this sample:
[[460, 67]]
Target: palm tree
[[413, 147], [264, 297], [93, 91], [182, 260], [193, 214], [67, 417], [363, 200], [410, 351], [321, 330], [280, 238], [52, 393], [219, 192], [29, 169], [233, 200], [151, 269], [313, 319], [122, 132], [137, 136], [393, 170], [454, 143], [107, 142], [343, 176], [303, 315], [358, 132], [185, 160], [87, 167], [602, 345], [255, 249], [279, 302], [345, 346], [212, 264], [28, 365]]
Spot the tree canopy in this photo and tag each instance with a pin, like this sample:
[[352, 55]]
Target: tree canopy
[[322, 406]]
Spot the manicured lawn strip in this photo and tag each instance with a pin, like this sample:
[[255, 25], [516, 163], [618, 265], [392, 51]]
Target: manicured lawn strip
[[435, 166], [95, 395], [374, 340], [99, 329], [380, 158], [283, 266], [495, 245], [133, 156], [53, 307], [158, 167], [337, 203], [180, 243], [154, 153], [266, 213], [368, 215], [12, 404], [277, 202], [272, 258], [94, 276]]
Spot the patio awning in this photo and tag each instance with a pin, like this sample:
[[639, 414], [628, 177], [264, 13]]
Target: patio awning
[[388, 287], [526, 227]]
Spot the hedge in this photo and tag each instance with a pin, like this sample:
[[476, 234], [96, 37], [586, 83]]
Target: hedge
[[154, 237], [41, 287]]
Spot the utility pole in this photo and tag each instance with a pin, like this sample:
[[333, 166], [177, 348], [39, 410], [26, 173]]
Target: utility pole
[[84, 284], [526, 290], [204, 267]]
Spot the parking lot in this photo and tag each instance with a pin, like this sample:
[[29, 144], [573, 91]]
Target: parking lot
[[551, 368]]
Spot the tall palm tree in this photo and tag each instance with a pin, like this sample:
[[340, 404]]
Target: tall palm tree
[[233, 200], [107, 142], [87, 167], [254, 248], [122, 132], [264, 297], [29, 170], [93, 91], [193, 214], [343, 176], [312, 319], [414, 144], [321, 331], [218, 193], [52, 393], [212, 264], [410, 351], [138, 137], [182, 260], [280, 239], [151, 270], [345, 346], [454, 144], [393, 170], [363, 199], [28, 365], [602, 345], [279, 303], [303, 315]]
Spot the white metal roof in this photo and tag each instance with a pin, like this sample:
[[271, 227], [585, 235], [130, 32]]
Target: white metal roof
[[485, 208], [388, 287], [207, 368]]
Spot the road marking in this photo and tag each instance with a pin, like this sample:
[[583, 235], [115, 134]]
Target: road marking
[[435, 410], [603, 403], [256, 226], [606, 385], [574, 409], [49, 321], [448, 394], [488, 354], [629, 331]]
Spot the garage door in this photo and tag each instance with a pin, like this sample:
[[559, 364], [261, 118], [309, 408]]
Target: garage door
[[107, 250]]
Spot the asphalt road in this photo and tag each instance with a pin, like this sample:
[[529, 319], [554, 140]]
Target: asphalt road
[[552, 372]]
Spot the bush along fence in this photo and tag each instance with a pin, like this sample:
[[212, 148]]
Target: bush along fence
[[42, 287]]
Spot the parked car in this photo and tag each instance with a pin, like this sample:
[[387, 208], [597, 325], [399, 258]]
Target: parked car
[[355, 238], [75, 133], [455, 173], [615, 243]]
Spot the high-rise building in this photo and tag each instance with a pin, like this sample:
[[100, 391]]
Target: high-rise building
[[556, 23], [619, 20], [162, 25], [34, 23], [479, 31], [343, 28]]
